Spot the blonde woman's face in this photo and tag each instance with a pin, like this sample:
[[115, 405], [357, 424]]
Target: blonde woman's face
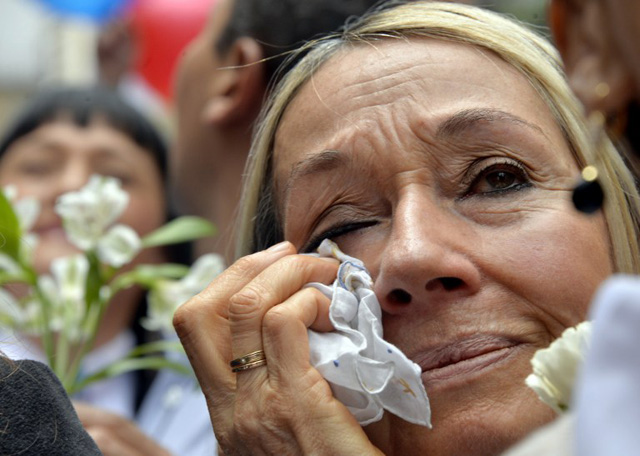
[[440, 167]]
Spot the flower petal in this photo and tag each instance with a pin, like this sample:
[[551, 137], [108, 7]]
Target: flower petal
[[555, 368], [87, 213], [119, 246], [203, 271], [27, 210], [164, 299], [70, 274]]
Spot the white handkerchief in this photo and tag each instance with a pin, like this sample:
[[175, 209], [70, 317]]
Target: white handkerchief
[[366, 373]]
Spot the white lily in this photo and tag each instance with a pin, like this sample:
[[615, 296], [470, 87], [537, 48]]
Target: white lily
[[202, 272], [65, 291], [22, 316], [59, 307], [555, 367], [89, 212], [118, 246], [11, 314], [167, 295], [9, 266], [27, 209]]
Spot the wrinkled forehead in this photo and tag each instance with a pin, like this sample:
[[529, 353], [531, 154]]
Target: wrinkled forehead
[[372, 91]]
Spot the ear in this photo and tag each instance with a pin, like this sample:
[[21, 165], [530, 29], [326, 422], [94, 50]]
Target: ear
[[591, 59], [243, 85]]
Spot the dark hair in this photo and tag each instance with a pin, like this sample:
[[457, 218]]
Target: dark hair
[[281, 26], [82, 105]]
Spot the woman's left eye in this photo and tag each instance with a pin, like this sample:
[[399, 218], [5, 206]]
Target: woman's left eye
[[499, 178], [334, 233]]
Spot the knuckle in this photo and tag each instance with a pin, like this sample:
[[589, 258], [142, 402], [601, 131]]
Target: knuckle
[[245, 266], [298, 262], [247, 423], [183, 320], [276, 319], [191, 313], [312, 294], [247, 303]]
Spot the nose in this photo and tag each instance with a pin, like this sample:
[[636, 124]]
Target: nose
[[426, 260], [72, 176]]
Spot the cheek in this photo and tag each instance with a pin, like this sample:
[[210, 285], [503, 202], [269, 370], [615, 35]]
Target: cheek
[[145, 212], [24, 189], [555, 264]]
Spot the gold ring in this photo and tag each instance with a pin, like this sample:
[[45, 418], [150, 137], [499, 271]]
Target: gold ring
[[248, 361]]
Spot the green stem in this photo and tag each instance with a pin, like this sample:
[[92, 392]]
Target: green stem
[[128, 365], [47, 335], [92, 298]]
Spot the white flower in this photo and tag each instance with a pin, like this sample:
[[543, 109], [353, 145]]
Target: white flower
[[28, 244], [11, 314], [202, 273], [65, 291], [87, 213], [25, 316], [118, 246], [27, 209], [167, 295], [555, 367], [9, 266]]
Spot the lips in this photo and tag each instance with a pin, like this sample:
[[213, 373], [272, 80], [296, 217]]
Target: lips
[[463, 356], [51, 230]]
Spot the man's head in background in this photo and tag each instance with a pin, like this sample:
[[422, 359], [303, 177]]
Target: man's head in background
[[598, 43], [222, 81]]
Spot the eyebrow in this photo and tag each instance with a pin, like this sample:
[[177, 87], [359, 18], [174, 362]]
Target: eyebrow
[[325, 161], [467, 119]]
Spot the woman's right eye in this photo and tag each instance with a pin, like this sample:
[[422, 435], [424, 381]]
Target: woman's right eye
[[334, 233], [35, 167]]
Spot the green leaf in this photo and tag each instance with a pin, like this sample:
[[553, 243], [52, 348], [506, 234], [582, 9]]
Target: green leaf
[[148, 274], [155, 347], [14, 278], [128, 365], [179, 230], [10, 232], [94, 280], [164, 271]]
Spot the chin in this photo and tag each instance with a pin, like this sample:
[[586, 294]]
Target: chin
[[482, 432], [46, 252], [483, 416]]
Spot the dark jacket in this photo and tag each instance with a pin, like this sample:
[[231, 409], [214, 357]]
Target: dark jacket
[[36, 416]]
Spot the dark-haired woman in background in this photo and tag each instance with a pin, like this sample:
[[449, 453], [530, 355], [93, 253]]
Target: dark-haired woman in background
[[61, 139]]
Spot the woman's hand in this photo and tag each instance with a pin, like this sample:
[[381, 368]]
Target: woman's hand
[[114, 435], [285, 407]]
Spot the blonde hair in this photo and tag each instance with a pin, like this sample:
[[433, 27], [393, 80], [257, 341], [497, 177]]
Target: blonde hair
[[522, 48]]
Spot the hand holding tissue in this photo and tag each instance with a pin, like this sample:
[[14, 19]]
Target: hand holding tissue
[[366, 373]]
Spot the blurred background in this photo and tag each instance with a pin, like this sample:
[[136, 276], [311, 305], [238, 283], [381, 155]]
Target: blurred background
[[133, 45]]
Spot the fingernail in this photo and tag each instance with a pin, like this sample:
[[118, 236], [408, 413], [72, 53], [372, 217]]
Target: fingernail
[[284, 245]]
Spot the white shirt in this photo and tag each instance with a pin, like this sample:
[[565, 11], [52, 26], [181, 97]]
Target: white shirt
[[173, 412], [116, 394]]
